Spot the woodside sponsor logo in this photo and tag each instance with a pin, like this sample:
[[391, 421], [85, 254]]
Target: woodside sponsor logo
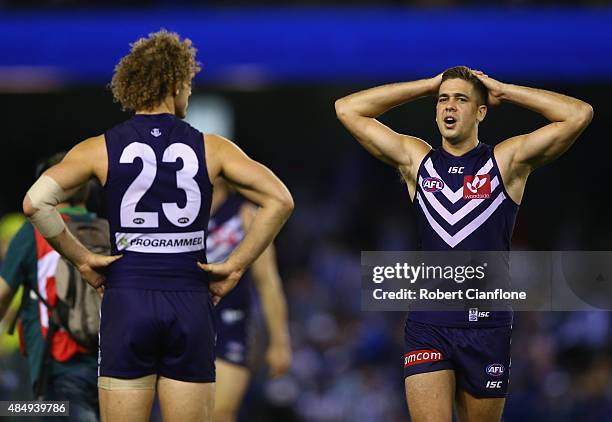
[[477, 187]]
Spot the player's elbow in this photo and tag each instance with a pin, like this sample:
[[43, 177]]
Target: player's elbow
[[581, 115], [282, 204], [341, 107], [586, 114], [28, 208], [286, 204]]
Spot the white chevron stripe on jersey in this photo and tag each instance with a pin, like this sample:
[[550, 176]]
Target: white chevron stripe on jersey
[[454, 240], [458, 194], [454, 218]]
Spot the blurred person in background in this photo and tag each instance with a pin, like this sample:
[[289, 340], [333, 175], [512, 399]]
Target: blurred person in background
[[466, 197], [13, 384], [230, 218], [69, 372], [9, 226], [156, 328]]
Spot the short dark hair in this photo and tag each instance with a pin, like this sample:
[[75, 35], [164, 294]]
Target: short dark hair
[[80, 196], [465, 73]]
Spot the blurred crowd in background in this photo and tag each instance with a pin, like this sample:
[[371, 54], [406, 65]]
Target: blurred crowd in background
[[348, 363]]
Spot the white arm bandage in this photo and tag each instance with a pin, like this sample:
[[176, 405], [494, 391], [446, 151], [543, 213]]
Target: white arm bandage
[[44, 195]]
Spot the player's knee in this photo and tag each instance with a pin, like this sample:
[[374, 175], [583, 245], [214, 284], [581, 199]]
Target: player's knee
[[119, 384]]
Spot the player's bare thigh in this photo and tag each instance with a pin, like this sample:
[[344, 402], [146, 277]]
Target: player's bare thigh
[[473, 409], [185, 401], [232, 381], [430, 396], [126, 400]]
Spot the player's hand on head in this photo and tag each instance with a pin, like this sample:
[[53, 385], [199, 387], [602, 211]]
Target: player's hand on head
[[278, 358], [494, 87], [223, 278], [92, 270], [436, 81]]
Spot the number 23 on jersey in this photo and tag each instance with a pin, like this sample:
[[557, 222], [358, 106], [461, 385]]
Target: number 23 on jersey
[[180, 217]]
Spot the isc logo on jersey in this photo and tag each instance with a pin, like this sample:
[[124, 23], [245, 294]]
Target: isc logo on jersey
[[495, 370], [477, 187], [474, 314], [432, 184]]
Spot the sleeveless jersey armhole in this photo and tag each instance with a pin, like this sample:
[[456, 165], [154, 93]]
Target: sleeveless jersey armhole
[[205, 161], [107, 163], [501, 179], [416, 181], [109, 152]]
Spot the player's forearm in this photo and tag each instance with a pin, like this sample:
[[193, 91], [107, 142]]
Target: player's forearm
[[375, 101], [275, 311], [264, 227], [553, 106], [69, 247], [39, 205]]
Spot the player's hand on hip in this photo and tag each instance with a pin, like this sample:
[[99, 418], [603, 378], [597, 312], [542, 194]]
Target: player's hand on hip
[[92, 270], [495, 87], [278, 358], [223, 278]]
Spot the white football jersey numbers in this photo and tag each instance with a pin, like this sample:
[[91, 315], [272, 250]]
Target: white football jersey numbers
[[181, 217]]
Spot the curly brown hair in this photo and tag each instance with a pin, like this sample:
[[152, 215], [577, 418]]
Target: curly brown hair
[[465, 73], [155, 67]]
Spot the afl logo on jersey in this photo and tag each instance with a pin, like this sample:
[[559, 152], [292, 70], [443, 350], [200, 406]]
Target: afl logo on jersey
[[495, 369], [156, 132], [138, 220], [183, 220], [432, 184]]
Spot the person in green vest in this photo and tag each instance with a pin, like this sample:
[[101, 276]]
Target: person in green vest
[[9, 226], [30, 261]]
